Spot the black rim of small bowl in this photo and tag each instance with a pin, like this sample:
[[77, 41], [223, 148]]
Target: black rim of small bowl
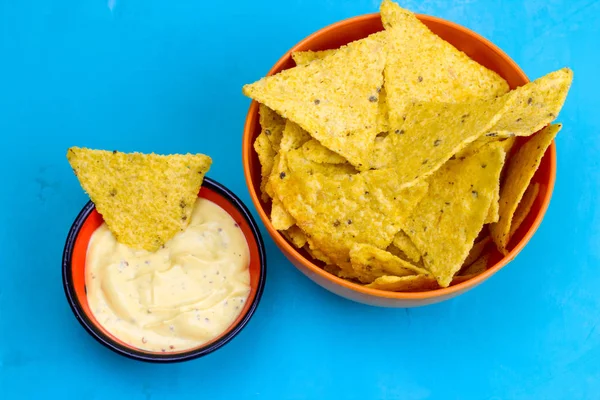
[[89, 326]]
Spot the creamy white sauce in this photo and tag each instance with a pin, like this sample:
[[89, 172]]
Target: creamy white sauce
[[177, 298]]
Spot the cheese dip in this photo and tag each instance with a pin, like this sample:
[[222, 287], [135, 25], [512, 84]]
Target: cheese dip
[[179, 297]]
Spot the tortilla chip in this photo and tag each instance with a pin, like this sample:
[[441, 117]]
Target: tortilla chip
[[520, 170], [446, 222], [266, 155], [335, 98], [316, 152], [272, 125], [430, 134], [477, 267], [383, 112], [404, 244], [145, 199], [423, 67], [411, 283], [305, 57], [316, 253], [474, 147], [296, 236], [476, 251], [524, 207], [293, 137], [337, 209], [370, 263], [332, 269], [493, 215], [535, 105], [280, 218]]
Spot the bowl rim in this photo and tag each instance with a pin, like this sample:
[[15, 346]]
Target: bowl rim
[[447, 292], [130, 352]]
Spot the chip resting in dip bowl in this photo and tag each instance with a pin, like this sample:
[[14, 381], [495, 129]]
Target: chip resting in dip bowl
[[163, 264], [400, 160]]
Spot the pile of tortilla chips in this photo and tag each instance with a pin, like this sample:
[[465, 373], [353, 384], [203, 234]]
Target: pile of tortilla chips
[[389, 159]]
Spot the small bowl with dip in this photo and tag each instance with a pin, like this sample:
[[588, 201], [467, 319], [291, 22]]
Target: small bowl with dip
[[181, 302]]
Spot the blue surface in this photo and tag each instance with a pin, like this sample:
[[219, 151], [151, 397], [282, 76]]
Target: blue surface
[[166, 76]]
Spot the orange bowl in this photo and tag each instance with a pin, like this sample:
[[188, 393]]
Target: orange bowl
[[74, 257], [480, 50]]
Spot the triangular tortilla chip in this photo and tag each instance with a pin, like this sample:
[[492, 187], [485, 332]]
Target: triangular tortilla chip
[[145, 199], [533, 106], [370, 263], [404, 244], [477, 267], [335, 98], [476, 251], [337, 208], [423, 67], [271, 125], [446, 222], [305, 57], [295, 235], [280, 218], [430, 134], [266, 157], [524, 207], [520, 170], [316, 152]]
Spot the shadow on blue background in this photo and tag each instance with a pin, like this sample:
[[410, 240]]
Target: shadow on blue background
[[166, 76]]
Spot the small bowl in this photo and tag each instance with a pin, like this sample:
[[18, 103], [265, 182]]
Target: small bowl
[[73, 272], [480, 50]]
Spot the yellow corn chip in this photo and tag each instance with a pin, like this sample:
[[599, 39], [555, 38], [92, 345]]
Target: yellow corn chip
[[446, 222], [304, 57], [524, 207], [383, 112], [476, 251], [520, 170], [370, 263], [337, 209], [400, 254], [316, 152], [293, 137], [477, 267], [423, 67], [411, 283], [533, 106], [404, 244], [145, 199], [493, 215], [272, 125], [332, 269], [280, 218], [335, 98], [507, 144], [430, 134], [296, 236], [266, 155], [316, 253]]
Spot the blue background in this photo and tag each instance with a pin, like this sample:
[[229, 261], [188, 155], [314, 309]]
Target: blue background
[[166, 76]]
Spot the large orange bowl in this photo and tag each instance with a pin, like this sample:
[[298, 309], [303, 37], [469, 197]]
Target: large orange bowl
[[480, 50]]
